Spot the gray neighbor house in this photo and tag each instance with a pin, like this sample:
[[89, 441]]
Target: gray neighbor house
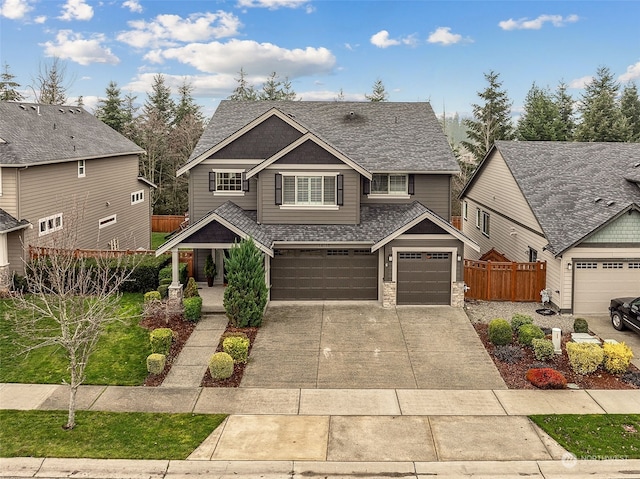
[[55, 161], [347, 200], [574, 205]]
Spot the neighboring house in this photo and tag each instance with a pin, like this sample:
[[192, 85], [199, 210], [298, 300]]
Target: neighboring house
[[55, 160], [348, 201], [574, 205]]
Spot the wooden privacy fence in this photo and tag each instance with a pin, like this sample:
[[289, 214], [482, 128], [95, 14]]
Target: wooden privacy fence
[[456, 221], [498, 281], [167, 223]]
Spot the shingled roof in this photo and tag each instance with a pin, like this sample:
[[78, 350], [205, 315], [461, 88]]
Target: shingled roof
[[8, 223], [33, 134], [379, 136], [574, 188]]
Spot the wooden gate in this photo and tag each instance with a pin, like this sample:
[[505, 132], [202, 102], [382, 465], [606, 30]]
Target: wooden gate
[[504, 281]]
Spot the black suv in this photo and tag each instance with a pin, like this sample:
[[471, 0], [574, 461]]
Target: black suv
[[625, 313]]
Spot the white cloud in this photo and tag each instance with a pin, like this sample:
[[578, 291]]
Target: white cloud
[[76, 10], [632, 73], [382, 40], [167, 30], [40, 19], [273, 4], [74, 47], [537, 23], [133, 6], [444, 36], [219, 85], [256, 58], [580, 83], [15, 9]]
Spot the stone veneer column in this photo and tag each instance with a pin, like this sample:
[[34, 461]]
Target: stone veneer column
[[5, 279], [457, 294], [388, 294]]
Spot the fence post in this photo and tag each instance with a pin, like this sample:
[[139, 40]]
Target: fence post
[[488, 280], [514, 275]]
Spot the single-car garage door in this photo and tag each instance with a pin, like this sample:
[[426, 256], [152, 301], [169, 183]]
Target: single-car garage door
[[597, 282], [318, 274], [424, 278]]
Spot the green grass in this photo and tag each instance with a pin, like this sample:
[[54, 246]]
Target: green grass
[[157, 239], [104, 435], [120, 357], [595, 436]]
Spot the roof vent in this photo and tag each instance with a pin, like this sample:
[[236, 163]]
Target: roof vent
[[637, 165], [23, 107], [60, 110], [597, 199], [611, 203], [71, 110]]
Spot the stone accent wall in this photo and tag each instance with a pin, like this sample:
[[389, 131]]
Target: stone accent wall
[[388, 294], [457, 294], [5, 279]]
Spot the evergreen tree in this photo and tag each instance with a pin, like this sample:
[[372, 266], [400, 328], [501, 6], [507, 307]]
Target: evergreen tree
[[80, 101], [379, 93], [244, 91], [276, 89], [51, 83], [186, 104], [566, 123], [602, 119], [130, 127], [630, 108], [8, 87], [491, 119], [540, 117], [110, 110], [340, 96]]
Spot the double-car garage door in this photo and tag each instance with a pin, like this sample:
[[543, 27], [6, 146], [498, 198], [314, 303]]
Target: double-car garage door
[[596, 282]]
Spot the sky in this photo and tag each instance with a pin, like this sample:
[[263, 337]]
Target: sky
[[436, 51]]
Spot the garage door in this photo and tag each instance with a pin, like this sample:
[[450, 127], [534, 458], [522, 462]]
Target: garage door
[[317, 274], [424, 278], [596, 282]]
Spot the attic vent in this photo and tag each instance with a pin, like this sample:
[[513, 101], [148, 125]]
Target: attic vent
[[637, 165], [78, 110], [33, 107], [71, 110], [611, 203], [60, 110], [597, 199], [23, 107]]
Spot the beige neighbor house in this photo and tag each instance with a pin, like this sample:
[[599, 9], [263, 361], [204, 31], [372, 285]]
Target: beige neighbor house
[[54, 159], [574, 205], [348, 201]]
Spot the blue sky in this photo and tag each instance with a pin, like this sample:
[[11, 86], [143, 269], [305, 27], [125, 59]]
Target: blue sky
[[420, 50]]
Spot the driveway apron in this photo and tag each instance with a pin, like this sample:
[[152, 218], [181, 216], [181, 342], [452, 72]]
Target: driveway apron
[[335, 345]]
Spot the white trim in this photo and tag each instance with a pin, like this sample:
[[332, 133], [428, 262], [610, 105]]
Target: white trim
[[379, 196], [322, 245], [307, 167], [82, 168], [310, 207], [217, 161], [107, 221], [465, 210], [441, 249], [310, 174], [50, 229], [426, 237], [137, 197], [0, 181], [228, 193]]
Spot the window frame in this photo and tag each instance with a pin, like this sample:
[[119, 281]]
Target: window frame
[[107, 221], [465, 210], [485, 223], [389, 193], [533, 255], [478, 217], [235, 192], [298, 177], [50, 225], [82, 168], [137, 197]]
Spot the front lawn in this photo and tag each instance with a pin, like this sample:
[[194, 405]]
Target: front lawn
[[120, 358], [104, 435], [595, 436]]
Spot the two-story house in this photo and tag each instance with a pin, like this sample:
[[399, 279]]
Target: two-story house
[[60, 167], [348, 201]]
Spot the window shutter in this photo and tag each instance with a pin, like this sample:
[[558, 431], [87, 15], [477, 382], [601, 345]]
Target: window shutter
[[411, 187], [278, 189], [340, 188], [366, 186], [212, 181], [245, 182]]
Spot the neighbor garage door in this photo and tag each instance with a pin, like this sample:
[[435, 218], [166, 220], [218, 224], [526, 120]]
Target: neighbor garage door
[[597, 281], [317, 274], [424, 278]]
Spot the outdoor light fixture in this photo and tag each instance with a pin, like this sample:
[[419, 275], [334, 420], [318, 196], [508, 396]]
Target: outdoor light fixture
[[390, 258]]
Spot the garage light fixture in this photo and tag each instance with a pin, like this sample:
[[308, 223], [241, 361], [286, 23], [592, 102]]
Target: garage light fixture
[[390, 258]]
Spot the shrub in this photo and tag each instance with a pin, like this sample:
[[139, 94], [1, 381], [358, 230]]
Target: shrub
[[580, 325], [632, 377], [509, 354], [166, 281], [166, 273], [546, 378], [163, 289], [191, 289], [156, 363], [237, 347], [145, 275], [543, 349], [584, 357], [519, 320], [160, 339], [617, 357], [529, 332], [192, 308], [152, 296], [221, 366], [500, 332], [232, 334]]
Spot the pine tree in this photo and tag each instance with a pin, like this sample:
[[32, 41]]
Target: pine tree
[[110, 110], [9, 87], [566, 123], [379, 93], [491, 120], [244, 91], [630, 108], [276, 89], [602, 119], [540, 117]]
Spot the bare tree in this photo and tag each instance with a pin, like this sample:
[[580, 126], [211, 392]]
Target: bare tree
[[69, 299], [51, 84]]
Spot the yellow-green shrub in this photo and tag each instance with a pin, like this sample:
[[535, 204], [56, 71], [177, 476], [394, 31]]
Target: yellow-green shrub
[[529, 332], [500, 332], [543, 348], [237, 347], [152, 296], [221, 366], [156, 362], [160, 339], [585, 357], [617, 357]]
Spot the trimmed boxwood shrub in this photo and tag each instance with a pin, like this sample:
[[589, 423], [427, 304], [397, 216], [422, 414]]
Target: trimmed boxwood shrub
[[546, 378], [156, 363], [585, 357], [518, 320], [543, 349], [500, 332], [152, 296], [192, 308], [580, 325], [191, 289], [160, 339], [163, 289], [529, 332], [221, 366], [236, 347]]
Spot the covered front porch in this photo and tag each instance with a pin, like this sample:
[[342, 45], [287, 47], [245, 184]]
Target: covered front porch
[[212, 297]]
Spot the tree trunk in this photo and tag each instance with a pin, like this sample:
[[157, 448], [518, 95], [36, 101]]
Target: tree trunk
[[71, 419]]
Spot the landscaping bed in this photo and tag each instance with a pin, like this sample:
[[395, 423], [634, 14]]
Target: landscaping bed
[[238, 368]]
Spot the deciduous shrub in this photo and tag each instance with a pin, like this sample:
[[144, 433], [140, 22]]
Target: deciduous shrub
[[191, 289], [152, 296], [236, 347], [160, 339], [232, 334], [617, 357], [529, 332], [500, 332], [584, 357], [509, 354], [543, 349], [517, 320], [580, 325], [156, 363], [163, 289], [192, 308], [221, 366], [546, 378]]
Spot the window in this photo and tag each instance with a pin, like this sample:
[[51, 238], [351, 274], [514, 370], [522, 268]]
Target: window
[[137, 197], [612, 266], [227, 181], [81, 169], [586, 265], [478, 218], [533, 255], [106, 221], [485, 223], [465, 210], [49, 224], [389, 184], [309, 190]]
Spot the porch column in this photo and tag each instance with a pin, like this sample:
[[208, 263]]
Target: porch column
[[175, 288]]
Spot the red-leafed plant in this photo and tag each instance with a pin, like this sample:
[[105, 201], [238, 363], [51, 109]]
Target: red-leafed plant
[[546, 378]]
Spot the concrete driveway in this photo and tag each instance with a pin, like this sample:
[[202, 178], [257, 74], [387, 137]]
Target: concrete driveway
[[362, 345]]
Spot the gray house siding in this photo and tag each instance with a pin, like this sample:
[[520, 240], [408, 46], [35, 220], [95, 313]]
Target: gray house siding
[[9, 194], [14, 244]]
